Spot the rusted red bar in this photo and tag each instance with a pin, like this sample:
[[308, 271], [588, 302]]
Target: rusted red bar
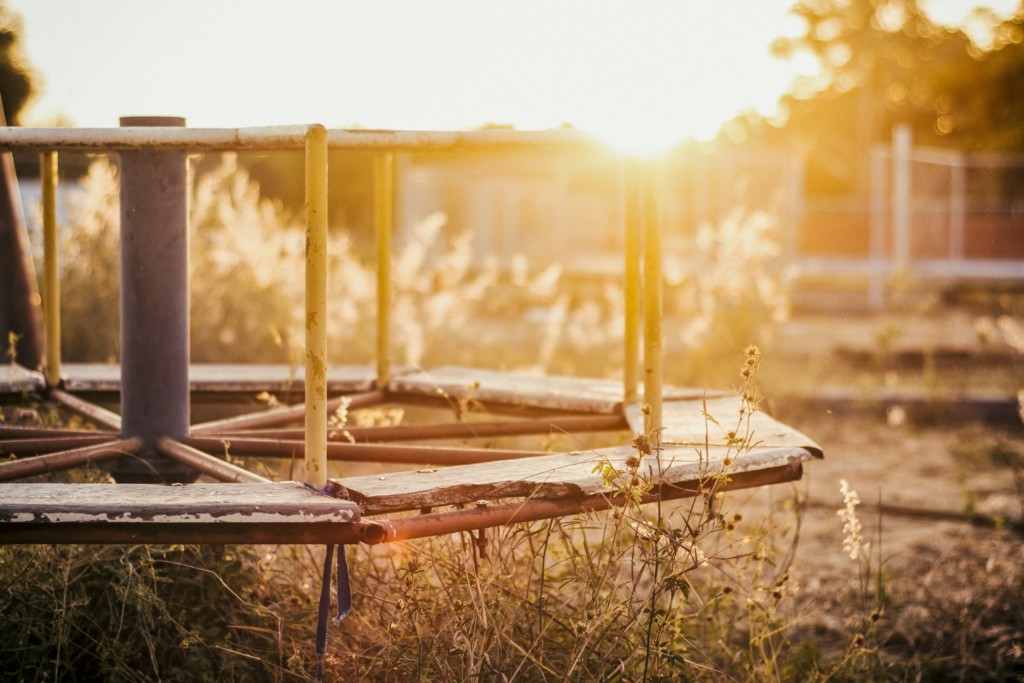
[[454, 430], [491, 515], [207, 464], [219, 533], [41, 464], [45, 433], [52, 445], [426, 455], [282, 416], [372, 532], [90, 411]]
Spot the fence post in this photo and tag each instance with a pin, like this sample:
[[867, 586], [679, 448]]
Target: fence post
[[154, 306], [957, 210], [901, 148], [876, 237]]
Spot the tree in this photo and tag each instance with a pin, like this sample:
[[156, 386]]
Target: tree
[[20, 326], [886, 61], [16, 76]]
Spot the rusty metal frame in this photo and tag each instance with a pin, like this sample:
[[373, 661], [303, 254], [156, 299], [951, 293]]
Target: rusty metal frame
[[240, 433]]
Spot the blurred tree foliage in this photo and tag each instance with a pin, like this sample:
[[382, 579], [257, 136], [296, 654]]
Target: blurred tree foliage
[[884, 62], [16, 76]]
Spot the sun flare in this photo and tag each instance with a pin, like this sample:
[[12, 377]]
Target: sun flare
[[642, 78]]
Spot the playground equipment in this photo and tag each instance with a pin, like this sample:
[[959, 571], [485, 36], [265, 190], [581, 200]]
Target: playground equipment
[[152, 441]]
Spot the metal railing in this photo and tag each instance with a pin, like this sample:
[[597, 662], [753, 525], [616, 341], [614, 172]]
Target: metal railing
[[643, 187]]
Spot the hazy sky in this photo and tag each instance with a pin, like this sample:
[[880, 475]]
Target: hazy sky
[[637, 71]]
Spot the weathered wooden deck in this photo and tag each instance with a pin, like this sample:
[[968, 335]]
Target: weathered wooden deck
[[708, 442]]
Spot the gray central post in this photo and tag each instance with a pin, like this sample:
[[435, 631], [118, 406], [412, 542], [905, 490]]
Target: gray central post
[[154, 306]]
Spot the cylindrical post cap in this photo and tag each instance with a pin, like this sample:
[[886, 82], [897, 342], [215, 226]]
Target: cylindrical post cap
[[178, 121]]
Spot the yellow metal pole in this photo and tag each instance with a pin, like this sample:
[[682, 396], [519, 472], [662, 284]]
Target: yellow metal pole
[[384, 185], [652, 226], [51, 267], [316, 306], [632, 286]]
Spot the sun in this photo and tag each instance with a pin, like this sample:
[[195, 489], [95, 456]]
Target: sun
[[653, 135]]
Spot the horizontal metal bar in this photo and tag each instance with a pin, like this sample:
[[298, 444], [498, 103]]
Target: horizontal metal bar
[[454, 430], [52, 444], [90, 411], [372, 532], [44, 433], [54, 462], [425, 455], [281, 416], [218, 533], [280, 138], [207, 464]]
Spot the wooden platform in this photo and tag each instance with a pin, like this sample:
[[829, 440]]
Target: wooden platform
[[15, 379], [776, 454], [707, 441], [284, 512], [551, 392], [559, 476]]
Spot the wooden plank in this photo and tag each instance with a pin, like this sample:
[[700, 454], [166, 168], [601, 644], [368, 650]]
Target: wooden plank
[[555, 476], [15, 379], [196, 504], [685, 424], [227, 378], [554, 392]]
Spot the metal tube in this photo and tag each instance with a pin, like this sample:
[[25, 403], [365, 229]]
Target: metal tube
[[207, 464], [90, 411], [632, 288], [52, 444], [384, 194], [169, 137], [652, 227], [41, 464], [43, 433], [454, 430], [154, 305], [282, 416], [426, 455], [51, 266], [316, 307], [19, 303]]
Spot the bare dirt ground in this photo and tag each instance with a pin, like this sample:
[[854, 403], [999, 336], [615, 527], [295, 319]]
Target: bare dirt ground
[[941, 490], [945, 461]]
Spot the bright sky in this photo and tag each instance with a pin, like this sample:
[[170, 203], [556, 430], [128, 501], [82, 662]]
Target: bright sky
[[638, 70]]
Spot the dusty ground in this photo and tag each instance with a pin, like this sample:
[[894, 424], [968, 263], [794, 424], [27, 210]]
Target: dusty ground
[[943, 460]]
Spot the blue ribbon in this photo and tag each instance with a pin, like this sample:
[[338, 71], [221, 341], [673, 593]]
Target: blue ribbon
[[344, 595]]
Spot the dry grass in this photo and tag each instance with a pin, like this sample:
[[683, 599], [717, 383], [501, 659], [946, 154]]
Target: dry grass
[[752, 586]]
